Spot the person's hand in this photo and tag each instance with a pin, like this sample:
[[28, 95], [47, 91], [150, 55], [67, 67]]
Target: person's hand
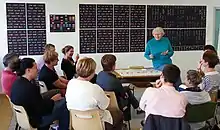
[[77, 57], [151, 56], [199, 67], [165, 53], [57, 97], [158, 83]]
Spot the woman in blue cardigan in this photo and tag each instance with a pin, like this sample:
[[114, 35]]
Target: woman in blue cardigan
[[159, 49]]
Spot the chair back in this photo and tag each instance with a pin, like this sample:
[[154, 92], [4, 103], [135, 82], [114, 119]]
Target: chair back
[[200, 112], [113, 105], [86, 120], [43, 87], [136, 67], [22, 117], [6, 112]]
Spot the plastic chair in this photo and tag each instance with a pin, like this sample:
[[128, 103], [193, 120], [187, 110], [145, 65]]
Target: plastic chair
[[86, 120], [6, 112], [136, 67], [22, 117], [43, 87], [201, 112]]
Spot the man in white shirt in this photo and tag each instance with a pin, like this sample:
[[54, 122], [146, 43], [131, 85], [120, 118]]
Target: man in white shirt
[[164, 100]]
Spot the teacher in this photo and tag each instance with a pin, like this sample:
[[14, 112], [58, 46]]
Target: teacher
[[159, 49]]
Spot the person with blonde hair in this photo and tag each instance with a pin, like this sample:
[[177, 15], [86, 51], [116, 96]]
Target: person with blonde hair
[[159, 49], [48, 74], [83, 95]]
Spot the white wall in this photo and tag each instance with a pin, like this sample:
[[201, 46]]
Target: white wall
[[185, 60]]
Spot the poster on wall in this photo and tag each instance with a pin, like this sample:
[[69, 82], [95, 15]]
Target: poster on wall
[[62, 23]]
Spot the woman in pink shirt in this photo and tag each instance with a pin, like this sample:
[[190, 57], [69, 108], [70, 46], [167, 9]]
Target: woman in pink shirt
[[11, 62]]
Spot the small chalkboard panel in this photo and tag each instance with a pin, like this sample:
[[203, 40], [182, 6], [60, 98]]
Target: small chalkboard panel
[[36, 16], [184, 39], [62, 23], [87, 16], [121, 16], [36, 42], [121, 40], [15, 15], [87, 41], [137, 40], [176, 16], [104, 16], [105, 41], [137, 18], [17, 41]]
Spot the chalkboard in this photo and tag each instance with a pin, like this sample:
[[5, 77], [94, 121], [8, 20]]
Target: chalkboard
[[184, 39], [104, 16], [176, 16], [17, 41], [105, 41], [138, 16], [121, 40], [36, 16], [137, 40], [87, 41], [62, 23], [87, 15], [121, 16], [36, 42], [15, 16]]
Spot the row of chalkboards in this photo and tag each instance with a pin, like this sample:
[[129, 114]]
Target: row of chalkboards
[[134, 16], [133, 40]]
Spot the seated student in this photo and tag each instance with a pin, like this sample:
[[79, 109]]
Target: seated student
[[194, 94], [212, 48], [211, 76], [41, 112], [11, 62], [68, 65], [164, 100], [48, 74], [40, 63], [83, 95], [108, 82]]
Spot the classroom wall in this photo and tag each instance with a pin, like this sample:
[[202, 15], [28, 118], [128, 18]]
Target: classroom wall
[[185, 60]]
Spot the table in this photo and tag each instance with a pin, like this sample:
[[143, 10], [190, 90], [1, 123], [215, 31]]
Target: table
[[138, 77]]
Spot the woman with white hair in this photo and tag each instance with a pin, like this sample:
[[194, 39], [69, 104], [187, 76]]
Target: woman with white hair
[[159, 49]]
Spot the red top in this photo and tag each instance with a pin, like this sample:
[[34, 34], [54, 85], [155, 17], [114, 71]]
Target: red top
[[7, 80]]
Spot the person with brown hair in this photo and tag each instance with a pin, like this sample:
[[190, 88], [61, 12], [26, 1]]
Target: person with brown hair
[[108, 82], [83, 95], [68, 65], [48, 74], [194, 94], [40, 63]]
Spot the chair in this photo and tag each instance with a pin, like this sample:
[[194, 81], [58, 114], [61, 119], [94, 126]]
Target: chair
[[201, 112], [22, 117], [86, 120], [6, 112], [43, 87]]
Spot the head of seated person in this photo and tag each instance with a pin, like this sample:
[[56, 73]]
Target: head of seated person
[[51, 59], [169, 76], [108, 62], [11, 62], [28, 69], [193, 79], [49, 47], [85, 68], [209, 60], [68, 52], [209, 48]]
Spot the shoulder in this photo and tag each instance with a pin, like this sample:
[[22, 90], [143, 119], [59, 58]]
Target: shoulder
[[151, 41]]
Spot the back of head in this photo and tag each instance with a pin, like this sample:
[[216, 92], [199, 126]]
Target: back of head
[[194, 78], [25, 63], [66, 49], [171, 73], [108, 61], [85, 67], [49, 47], [211, 58], [12, 61], [209, 47], [50, 56]]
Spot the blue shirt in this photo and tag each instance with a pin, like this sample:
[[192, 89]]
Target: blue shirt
[[156, 47]]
